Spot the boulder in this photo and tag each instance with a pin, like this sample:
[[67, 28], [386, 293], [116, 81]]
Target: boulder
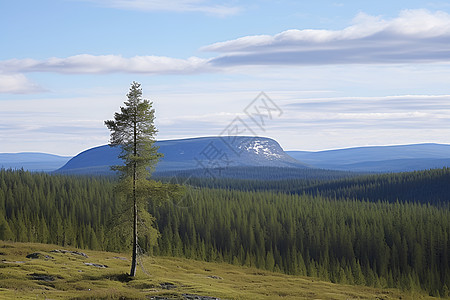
[[71, 252], [96, 265], [37, 255]]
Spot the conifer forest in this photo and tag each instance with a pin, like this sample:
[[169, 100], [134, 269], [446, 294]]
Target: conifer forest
[[390, 230]]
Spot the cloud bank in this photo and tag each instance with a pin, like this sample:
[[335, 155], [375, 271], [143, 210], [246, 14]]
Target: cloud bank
[[103, 64], [415, 36]]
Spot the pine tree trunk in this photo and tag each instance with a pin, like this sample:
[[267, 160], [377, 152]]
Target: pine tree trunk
[[135, 212], [135, 239]]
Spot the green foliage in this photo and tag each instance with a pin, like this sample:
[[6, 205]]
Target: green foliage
[[133, 130], [39, 207], [5, 231], [234, 174], [428, 186]]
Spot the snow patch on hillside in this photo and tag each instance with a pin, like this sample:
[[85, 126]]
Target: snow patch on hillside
[[262, 147]]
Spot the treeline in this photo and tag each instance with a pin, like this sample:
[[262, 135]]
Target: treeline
[[257, 173], [428, 186], [382, 244]]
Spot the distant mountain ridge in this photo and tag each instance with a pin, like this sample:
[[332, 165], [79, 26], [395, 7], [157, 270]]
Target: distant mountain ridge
[[193, 153], [235, 153], [32, 161], [402, 158]]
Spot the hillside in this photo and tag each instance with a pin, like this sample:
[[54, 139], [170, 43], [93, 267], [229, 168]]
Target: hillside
[[195, 153], [425, 187], [68, 275], [260, 173]]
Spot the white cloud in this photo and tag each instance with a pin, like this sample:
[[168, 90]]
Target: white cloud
[[102, 64], [17, 84], [172, 5], [414, 36]]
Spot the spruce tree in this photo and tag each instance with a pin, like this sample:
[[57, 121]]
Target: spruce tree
[[133, 130]]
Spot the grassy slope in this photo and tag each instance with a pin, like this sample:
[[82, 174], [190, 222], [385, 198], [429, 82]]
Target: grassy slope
[[74, 279]]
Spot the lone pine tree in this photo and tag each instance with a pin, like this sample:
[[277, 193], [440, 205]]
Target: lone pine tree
[[134, 131]]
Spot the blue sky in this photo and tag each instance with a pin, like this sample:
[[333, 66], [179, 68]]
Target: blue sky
[[344, 73]]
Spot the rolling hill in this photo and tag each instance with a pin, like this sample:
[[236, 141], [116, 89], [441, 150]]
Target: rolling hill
[[194, 153]]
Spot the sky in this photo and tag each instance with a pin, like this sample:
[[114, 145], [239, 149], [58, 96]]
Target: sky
[[312, 75]]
